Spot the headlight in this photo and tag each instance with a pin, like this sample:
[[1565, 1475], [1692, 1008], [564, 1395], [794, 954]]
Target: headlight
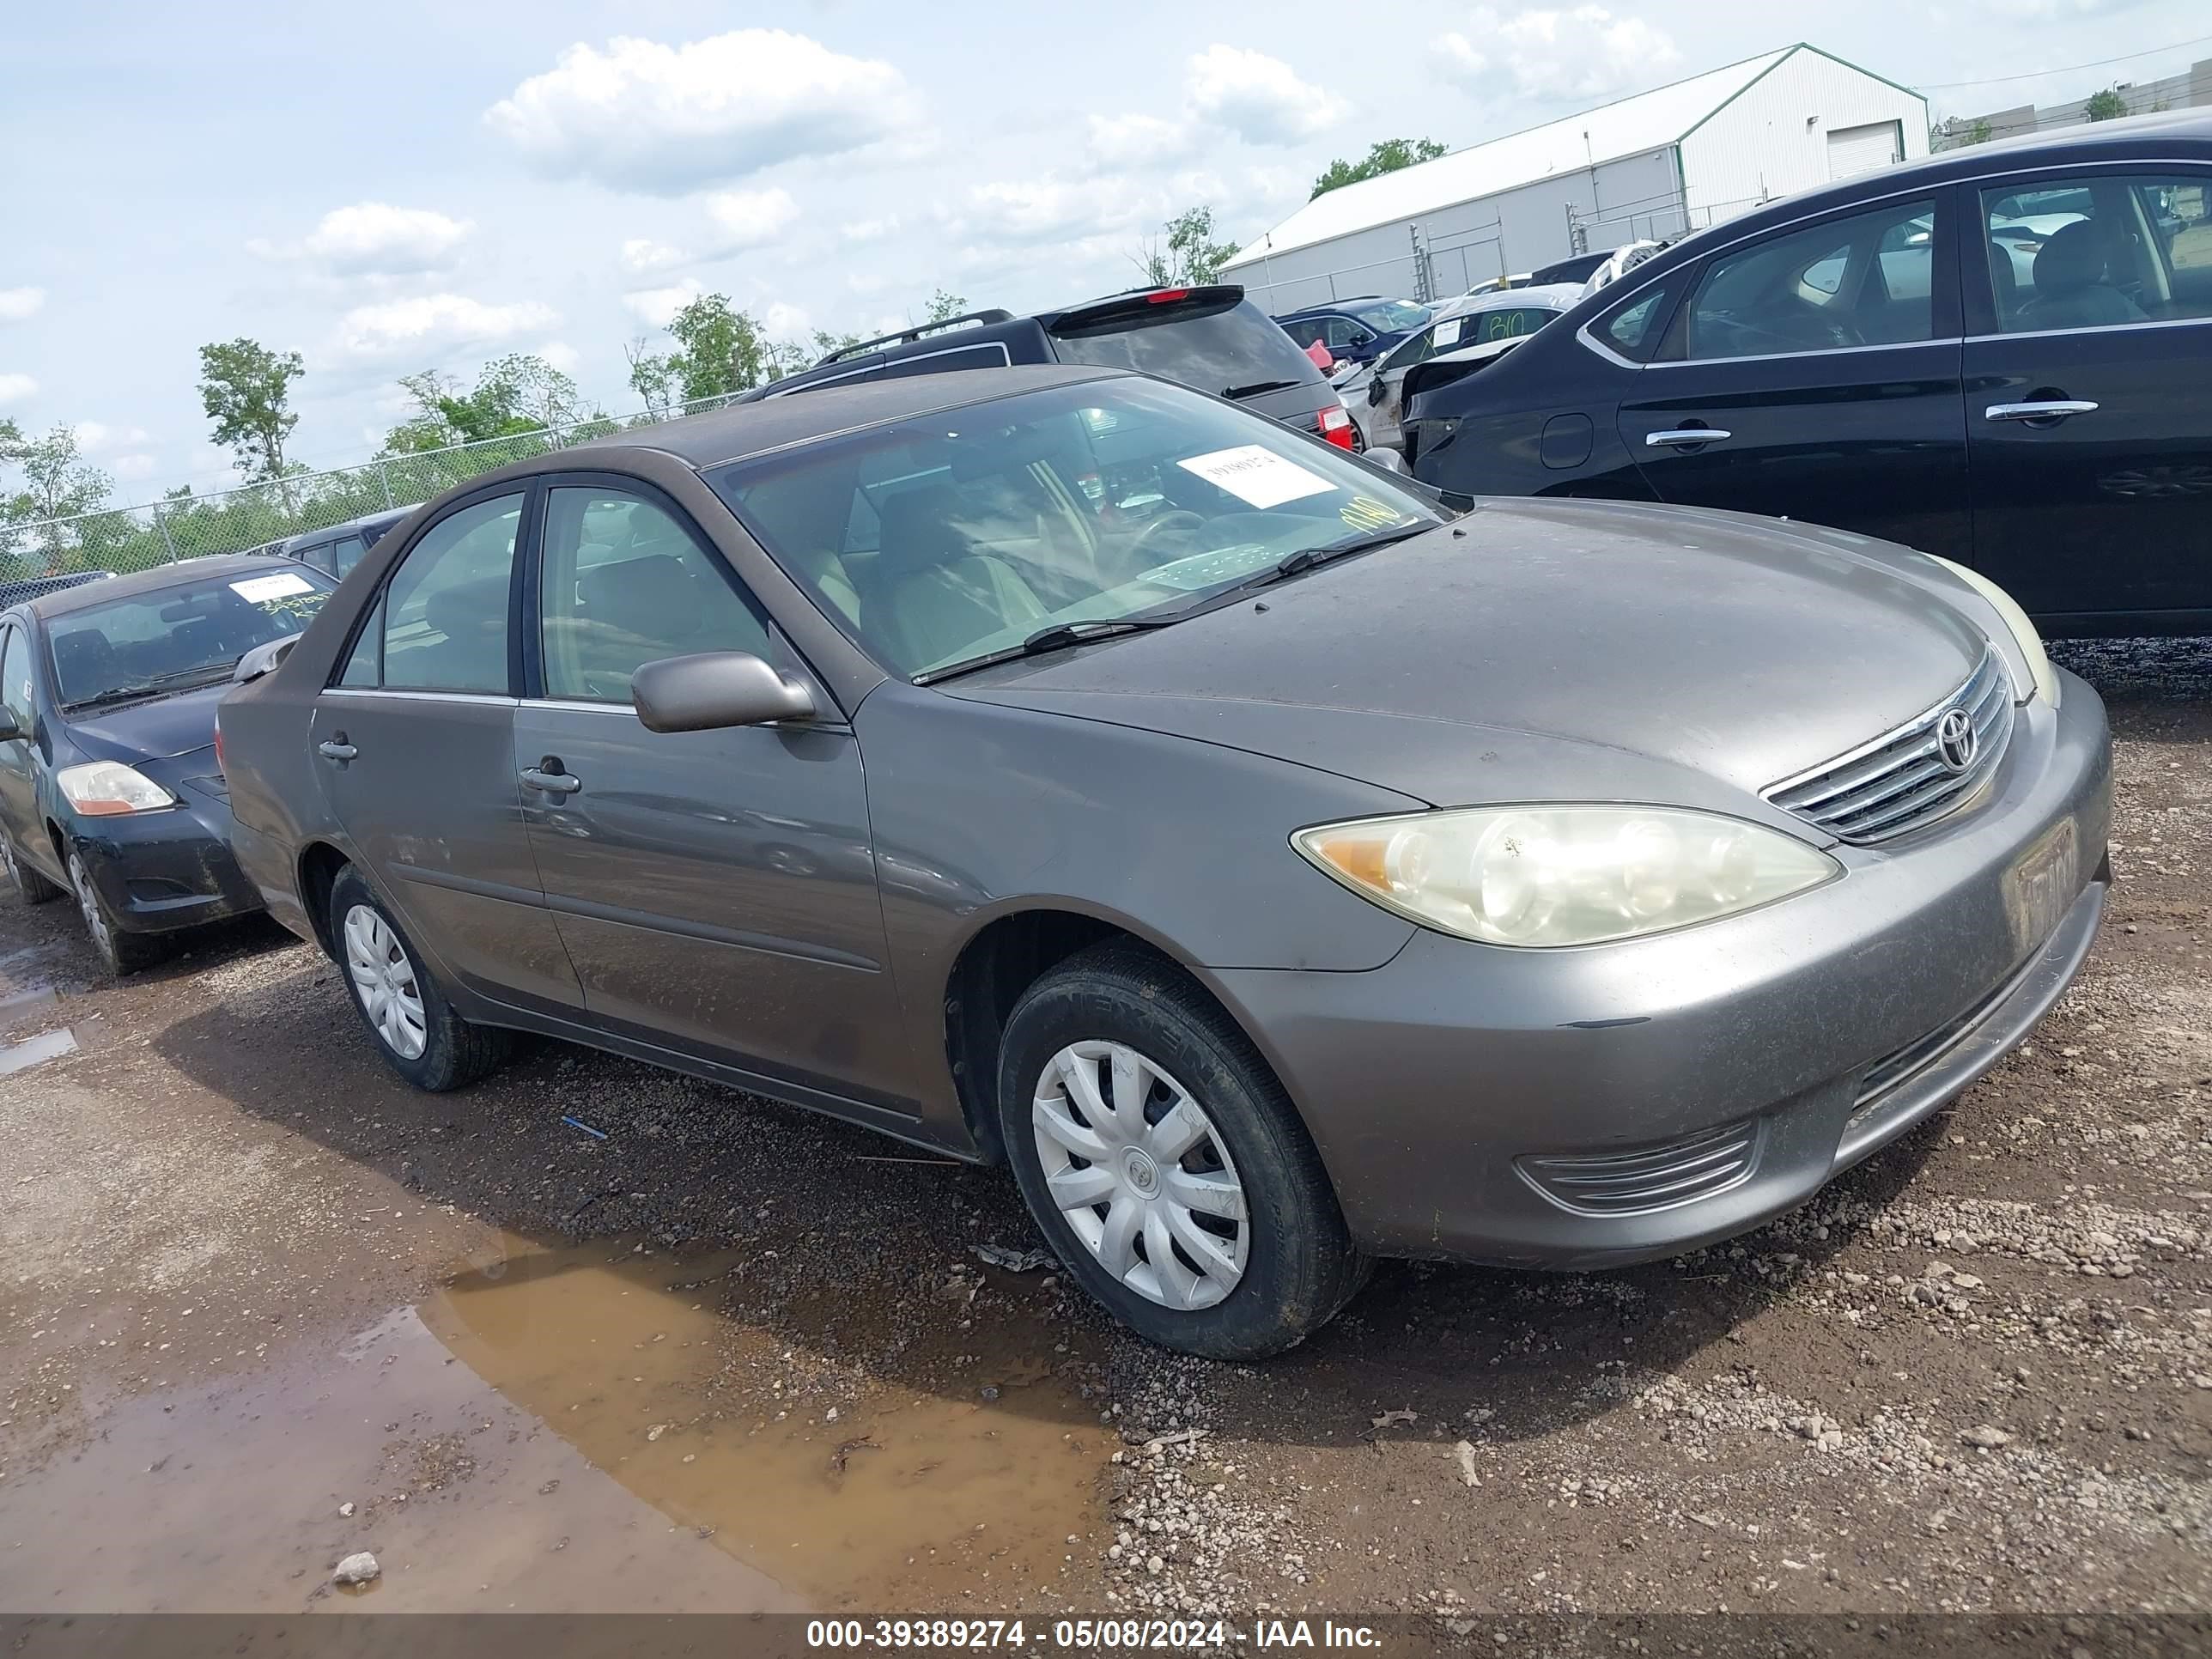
[[1546, 876], [107, 789], [2023, 631]]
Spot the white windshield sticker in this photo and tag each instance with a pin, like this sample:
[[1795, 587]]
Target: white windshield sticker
[[1256, 475], [256, 589], [1446, 333]]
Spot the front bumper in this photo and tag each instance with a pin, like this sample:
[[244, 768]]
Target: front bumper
[[1591, 1107], [158, 872]]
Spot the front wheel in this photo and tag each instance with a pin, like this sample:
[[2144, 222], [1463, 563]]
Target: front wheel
[[120, 951], [417, 1030], [1163, 1161]]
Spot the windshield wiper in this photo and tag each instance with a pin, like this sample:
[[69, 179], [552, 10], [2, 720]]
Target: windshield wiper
[[1256, 388], [208, 672], [1059, 637], [1306, 558]]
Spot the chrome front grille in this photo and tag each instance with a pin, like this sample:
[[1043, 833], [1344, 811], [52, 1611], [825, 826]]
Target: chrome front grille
[[1903, 780], [1655, 1178]]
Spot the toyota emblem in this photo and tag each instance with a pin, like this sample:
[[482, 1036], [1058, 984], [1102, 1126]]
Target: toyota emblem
[[1956, 739]]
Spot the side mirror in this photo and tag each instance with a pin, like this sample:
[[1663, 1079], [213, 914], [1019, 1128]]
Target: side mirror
[[11, 729], [713, 690], [262, 659], [1388, 460], [1376, 391]]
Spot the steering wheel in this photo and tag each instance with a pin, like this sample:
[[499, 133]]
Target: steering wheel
[[1151, 540]]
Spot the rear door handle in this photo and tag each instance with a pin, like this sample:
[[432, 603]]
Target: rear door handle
[[1684, 437], [2056, 410], [337, 749], [553, 783]]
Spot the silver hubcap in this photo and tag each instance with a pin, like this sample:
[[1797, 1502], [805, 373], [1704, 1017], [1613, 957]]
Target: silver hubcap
[[89, 902], [384, 980], [1141, 1175]]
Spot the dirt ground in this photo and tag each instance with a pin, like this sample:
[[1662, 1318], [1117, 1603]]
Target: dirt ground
[[261, 1306]]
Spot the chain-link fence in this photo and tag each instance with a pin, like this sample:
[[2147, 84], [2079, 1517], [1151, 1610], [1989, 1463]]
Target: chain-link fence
[[184, 526]]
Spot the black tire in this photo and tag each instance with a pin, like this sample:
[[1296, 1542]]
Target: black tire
[[454, 1053], [121, 952], [1300, 1266], [29, 886]]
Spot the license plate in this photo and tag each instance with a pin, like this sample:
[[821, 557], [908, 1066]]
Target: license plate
[[2039, 889]]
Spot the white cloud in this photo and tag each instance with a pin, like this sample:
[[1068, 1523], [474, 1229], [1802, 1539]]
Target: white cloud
[[93, 436], [748, 218], [656, 305], [132, 466], [1048, 209], [375, 239], [14, 388], [18, 303], [1122, 140], [1585, 52], [870, 230], [783, 322], [644, 115], [432, 323], [641, 254], [1259, 99], [562, 356]]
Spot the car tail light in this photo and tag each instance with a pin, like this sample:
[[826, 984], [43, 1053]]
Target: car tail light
[[1167, 296], [1336, 427]]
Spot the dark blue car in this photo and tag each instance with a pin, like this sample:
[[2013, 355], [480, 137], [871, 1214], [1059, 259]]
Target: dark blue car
[[1360, 330], [110, 786]]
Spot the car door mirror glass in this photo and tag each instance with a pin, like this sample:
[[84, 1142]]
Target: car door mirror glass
[[713, 690]]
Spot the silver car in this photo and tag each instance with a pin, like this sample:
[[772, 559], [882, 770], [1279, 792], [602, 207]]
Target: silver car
[[1063, 767], [1375, 394]]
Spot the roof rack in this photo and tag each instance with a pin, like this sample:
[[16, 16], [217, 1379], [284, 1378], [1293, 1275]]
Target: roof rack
[[994, 315]]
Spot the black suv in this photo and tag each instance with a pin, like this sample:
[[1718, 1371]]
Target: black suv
[[1210, 337], [335, 549]]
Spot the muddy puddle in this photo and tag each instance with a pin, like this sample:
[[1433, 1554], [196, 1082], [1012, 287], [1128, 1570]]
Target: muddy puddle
[[570, 1430]]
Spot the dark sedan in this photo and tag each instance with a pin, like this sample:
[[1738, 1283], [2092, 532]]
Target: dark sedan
[[110, 787], [1997, 355], [1066, 767]]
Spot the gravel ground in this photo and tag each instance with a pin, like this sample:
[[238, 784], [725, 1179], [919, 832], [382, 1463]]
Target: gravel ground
[[1976, 1373]]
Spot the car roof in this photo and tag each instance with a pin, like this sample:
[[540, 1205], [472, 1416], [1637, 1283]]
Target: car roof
[[384, 515], [745, 429], [217, 566], [1347, 302]]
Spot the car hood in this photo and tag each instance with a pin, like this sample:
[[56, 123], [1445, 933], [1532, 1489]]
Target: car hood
[[161, 728], [1547, 650]]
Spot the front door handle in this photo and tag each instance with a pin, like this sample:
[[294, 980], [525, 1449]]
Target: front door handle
[[550, 778], [337, 749], [2056, 410], [1684, 437]]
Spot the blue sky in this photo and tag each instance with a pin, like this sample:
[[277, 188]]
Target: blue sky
[[391, 187]]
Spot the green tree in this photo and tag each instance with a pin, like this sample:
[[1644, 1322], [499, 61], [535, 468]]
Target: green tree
[[1190, 254], [515, 396], [652, 376], [944, 307], [52, 481], [2106, 105], [1385, 157], [246, 389], [720, 350]]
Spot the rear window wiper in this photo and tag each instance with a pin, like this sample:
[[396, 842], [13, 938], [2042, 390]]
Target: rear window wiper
[[1257, 387]]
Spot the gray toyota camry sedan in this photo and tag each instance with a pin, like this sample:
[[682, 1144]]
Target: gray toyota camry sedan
[[1278, 871]]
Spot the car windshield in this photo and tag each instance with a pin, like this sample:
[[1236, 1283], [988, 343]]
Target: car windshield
[[1391, 316], [1219, 350], [946, 538], [175, 637]]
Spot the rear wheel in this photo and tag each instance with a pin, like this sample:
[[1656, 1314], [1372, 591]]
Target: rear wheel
[[26, 883], [122, 951], [1163, 1160], [416, 1029]]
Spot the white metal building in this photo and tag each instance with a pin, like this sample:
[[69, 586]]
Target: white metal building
[[1674, 159]]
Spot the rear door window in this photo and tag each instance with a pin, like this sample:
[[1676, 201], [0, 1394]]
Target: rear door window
[[445, 609], [344, 554], [1853, 281]]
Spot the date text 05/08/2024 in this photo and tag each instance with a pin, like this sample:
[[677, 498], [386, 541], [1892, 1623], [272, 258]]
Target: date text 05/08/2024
[[1093, 1635]]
